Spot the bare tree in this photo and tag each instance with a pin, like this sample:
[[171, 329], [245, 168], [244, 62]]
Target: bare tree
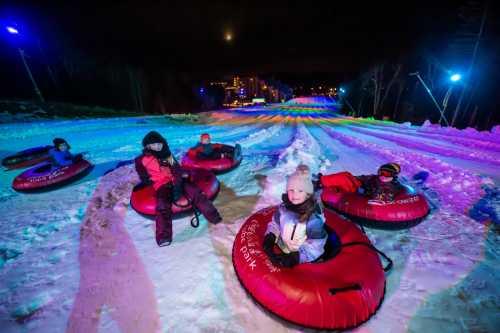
[[397, 70], [378, 85]]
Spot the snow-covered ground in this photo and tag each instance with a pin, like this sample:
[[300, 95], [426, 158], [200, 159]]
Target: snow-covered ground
[[79, 259]]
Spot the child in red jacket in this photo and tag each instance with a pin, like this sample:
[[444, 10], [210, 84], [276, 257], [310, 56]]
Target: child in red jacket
[[157, 166], [383, 186]]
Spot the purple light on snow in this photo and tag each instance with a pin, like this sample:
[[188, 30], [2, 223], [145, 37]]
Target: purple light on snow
[[12, 30]]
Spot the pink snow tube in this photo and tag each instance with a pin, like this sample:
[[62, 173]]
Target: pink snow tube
[[336, 294], [143, 198], [190, 160], [45, 176], [406, 211]]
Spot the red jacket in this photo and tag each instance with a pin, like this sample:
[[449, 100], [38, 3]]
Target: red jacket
[[149, 168], [344, 181]]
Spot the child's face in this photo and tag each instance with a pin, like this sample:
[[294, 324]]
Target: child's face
[[296, 196], [63, 147], [385, 179], [205, 141], [155, 146]]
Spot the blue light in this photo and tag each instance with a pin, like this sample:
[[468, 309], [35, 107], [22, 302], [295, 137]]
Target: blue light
[[202, 90], [342, 90], [12, 30], [455, 77]]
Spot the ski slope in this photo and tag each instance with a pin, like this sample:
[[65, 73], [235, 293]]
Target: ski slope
[[79, 259]]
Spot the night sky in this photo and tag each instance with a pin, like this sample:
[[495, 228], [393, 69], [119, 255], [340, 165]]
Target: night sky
[[267, 36]]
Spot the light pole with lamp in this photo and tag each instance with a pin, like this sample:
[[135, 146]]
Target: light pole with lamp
[[417, 74], [14, 31], [454, 78], [341, 93]]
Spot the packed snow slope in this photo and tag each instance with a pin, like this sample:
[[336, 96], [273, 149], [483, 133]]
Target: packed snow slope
[[79, 259]]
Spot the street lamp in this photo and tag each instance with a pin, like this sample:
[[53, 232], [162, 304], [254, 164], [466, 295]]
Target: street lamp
[[417, 74], [14, 31], [342, 92], [454, 78]]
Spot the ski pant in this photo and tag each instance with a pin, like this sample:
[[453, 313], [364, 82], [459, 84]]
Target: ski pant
[[164, 200]]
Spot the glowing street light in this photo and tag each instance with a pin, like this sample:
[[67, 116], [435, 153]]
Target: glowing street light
[[14, 31], [455, 77], [228, 36], [342, 92]]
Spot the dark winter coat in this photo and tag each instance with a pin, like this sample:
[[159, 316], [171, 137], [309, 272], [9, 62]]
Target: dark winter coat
[[375, 189]]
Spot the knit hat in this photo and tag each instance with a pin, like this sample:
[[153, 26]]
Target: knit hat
[[153, 137], [58, 141], [205, 136], [298, 181], [392, 168]]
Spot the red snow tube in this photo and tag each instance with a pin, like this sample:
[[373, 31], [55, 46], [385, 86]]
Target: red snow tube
[[26, 158], [406, 211], [220, 165], [45, 176], [143, 198], [335, 294]]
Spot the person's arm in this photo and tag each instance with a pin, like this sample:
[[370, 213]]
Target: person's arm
[[314, 246], [274, 226], [142, 172], [271, 236]]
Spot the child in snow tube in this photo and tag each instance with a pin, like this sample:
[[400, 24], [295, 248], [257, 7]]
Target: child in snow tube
[[341, 290], [214, 157], [60, 155], [383, 186], [297, 226], [157, 166], [205, 150], [378, 201]]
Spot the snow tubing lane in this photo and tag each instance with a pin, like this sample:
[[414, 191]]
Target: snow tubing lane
[[406, 211], [189, 160], [336, 294], [26, 158], [44, 176], [143, 198]]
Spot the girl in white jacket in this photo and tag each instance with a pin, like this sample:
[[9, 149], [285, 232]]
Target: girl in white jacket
[[297, 226]]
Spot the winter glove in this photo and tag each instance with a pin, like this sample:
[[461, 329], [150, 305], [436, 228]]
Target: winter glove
[[288, 260], [269, 241], [77, 158]]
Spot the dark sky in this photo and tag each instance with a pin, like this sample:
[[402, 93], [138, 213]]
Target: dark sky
[[268, 36]]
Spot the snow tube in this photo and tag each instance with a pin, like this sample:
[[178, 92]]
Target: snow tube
[[45, 176], [143, 198], [406, 211], [26, 158], [220, 165], [339, 292]]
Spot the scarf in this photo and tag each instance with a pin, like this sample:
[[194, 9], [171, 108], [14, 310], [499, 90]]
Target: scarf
[[304, 210]]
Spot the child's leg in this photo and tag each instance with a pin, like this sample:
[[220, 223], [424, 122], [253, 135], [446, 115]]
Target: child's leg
[[164, 196], [201, 202]]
